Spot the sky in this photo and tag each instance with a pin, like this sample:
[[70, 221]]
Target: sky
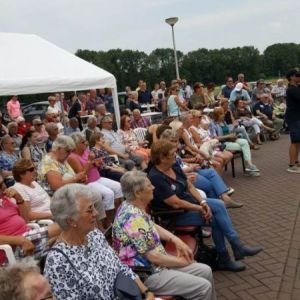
[[139, 24]]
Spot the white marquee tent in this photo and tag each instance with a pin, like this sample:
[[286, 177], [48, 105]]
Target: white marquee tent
[[30, 64]]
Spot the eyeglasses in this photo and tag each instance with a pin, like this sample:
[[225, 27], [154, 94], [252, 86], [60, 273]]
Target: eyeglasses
[[30, 169], [39, 124]]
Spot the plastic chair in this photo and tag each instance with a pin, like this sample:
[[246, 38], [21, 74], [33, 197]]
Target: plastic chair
[[140, 133]]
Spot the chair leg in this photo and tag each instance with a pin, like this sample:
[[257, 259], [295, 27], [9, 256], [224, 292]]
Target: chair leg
[[232, 167], [243, 161]]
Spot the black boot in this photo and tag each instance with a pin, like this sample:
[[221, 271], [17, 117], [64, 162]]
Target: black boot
[[226, 264], [240, 250]]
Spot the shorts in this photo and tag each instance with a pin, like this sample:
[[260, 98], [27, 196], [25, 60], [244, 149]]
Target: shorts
[[39, 237], [294, 128]]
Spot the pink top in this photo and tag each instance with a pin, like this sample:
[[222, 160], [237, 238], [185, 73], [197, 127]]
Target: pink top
[[13, 108], [93, 173], [11, 224]]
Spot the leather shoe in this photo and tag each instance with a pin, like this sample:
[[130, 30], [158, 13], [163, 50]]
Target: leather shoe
[[225, 263], [233, 204], [241, 250]]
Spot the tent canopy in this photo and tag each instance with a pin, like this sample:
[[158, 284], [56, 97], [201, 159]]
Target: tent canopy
[[30, 65]]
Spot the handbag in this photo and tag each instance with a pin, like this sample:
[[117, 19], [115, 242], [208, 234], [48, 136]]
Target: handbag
[[207, 254], [124, 287]]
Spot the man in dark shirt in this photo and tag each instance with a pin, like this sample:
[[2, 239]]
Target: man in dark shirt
[[228, 88], [144, 95], [292, 117]]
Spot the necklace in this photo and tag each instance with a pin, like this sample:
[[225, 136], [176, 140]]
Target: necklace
[[83, 243]]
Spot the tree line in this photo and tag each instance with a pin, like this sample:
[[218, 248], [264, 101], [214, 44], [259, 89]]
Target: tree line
[[203, 65]]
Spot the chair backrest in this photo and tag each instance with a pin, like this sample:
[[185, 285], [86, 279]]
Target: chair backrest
[[140, 133]]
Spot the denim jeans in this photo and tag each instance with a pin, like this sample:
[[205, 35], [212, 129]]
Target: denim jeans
[[221, 223], [209, 181]]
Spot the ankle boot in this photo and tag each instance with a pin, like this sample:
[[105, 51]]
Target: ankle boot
[[240, 250], [225, 263]]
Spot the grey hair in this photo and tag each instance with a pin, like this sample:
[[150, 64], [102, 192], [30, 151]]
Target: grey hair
[[77, 137], [4, 139], [50, 126], [65, 202], [184, 116], [100, 106], [64, 142], [136, 111], [168, 135], [11, 124], [90, 120], [132, 182], [14, 289], [98, 204]]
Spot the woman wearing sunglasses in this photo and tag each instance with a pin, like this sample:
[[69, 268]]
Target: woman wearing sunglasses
[[35, 197]]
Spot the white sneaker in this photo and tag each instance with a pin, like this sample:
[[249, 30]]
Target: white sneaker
[[252, 174], [251, 168], [293, 169]]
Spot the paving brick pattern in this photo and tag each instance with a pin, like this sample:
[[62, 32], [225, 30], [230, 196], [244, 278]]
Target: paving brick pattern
[[271, 218]]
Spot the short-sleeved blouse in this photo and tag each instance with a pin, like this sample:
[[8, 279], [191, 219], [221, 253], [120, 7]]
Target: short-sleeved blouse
[[50, 164], [97, 266], [134, 234]]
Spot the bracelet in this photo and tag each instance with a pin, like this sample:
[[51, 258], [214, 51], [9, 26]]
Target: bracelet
[[203, 202], [146, 292]]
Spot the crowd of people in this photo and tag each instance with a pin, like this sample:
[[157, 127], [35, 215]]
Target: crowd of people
[[88, 178]]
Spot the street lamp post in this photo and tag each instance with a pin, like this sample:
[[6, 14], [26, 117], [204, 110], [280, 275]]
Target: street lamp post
[[172, 21]]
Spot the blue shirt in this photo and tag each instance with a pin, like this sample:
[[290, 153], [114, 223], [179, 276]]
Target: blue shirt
[[145, 97], [173, 109], [264, 108]]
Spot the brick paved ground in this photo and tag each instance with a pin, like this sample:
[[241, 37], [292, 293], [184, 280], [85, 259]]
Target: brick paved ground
[[271, 218]]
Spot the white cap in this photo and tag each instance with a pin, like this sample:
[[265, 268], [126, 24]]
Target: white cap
[[239, 86]]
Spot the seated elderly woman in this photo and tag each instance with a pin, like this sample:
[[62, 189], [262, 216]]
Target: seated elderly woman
[[174, 190], [91, 127], [35, 197], [107, 167], [55, 171], [7, 159], [14, 231], [207, 180], [195, 129], [138, 120], [42, 134], [220, 130], [27, 283], [29, 147], [12, 128], [133, 102], [130, 140], [83, 160], [52, 130], [82, 265], [137, 240]]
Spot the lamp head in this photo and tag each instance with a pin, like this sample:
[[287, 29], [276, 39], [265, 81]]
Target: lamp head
[[171, 21]]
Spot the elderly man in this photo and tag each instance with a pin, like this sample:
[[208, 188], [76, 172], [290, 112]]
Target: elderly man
[[115, 146], [279, 91], [264, 110], [241, 79], [101, 112], [239, 93], [93, 101], [145, 96], [91, 127], [138, 121]]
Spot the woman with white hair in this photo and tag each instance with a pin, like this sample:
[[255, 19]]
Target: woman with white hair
[[12, 128], [91, 127], [55, 171], [82, 265], [137, 240], [83, 160], [27, 283]]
